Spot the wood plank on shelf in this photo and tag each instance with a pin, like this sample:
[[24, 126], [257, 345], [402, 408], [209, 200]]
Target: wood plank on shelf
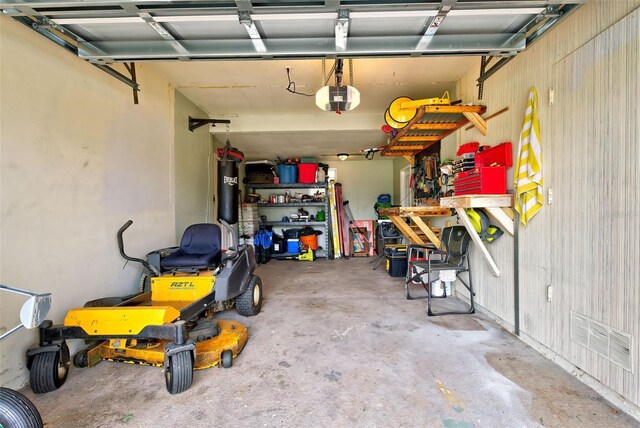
[[442, 126], [411, 138], [406, 145], [432, 211], [477, 201]]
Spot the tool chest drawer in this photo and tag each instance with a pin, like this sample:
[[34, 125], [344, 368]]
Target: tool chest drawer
[[482, 180]]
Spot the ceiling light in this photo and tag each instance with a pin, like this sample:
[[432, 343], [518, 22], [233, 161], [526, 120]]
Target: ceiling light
[[343, 156]]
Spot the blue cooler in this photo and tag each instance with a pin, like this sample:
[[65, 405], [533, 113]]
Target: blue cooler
[[293, 246], [288, 173]]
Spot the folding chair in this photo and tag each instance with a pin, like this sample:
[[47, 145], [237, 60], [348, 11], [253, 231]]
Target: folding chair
[[452, 256]]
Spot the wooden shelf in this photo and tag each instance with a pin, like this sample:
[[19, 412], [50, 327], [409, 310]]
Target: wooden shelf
[[497, 206], [432, 124], [477, 201], [419, 211]]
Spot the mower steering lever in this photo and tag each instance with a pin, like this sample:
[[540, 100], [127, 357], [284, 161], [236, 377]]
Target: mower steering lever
[[125, 256]]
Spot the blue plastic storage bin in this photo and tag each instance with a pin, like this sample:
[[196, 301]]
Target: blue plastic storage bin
[[288, 173]]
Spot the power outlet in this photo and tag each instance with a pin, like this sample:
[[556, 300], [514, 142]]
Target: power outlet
[[549, 292], [549, 196], [551, 97]]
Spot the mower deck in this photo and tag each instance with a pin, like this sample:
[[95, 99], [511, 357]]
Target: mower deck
[[233, 336]]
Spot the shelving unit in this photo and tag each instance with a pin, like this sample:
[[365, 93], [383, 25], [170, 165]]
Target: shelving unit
[[326, 249], [430, 125]]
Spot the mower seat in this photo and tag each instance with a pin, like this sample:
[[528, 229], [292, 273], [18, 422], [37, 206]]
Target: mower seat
[[199, 248]]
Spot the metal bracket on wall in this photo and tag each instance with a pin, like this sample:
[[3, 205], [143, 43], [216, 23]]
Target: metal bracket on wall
[[197, 123], [484, 61], [131, 68], [65, 38], [531, 32]]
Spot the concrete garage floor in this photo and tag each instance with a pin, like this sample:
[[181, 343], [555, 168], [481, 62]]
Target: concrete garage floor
[[338, 345]]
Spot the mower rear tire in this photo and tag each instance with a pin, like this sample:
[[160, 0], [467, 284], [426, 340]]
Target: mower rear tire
[[179, 374], [16, 411], [226, 358], [49, 370], [249, 303]]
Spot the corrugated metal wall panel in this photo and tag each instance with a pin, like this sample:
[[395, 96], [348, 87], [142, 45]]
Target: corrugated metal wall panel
[[587, 243]]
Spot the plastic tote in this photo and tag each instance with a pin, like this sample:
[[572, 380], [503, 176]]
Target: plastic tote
[[288, 173], [307, 172]]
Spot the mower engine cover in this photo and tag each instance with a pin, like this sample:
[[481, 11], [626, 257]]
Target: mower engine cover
[[182, 286]]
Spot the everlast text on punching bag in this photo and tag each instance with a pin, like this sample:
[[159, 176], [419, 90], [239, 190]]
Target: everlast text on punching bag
[[228, 160]]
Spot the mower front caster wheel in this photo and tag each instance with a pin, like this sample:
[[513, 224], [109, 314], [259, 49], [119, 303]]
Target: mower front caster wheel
[[226, 358], [249, 303], [49, 370], [178, 375], [81, 359]]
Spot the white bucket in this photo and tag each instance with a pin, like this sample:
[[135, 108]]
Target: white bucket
[[437, 288]]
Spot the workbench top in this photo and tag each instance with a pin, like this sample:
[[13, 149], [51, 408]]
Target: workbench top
[[433, 211], [477, 201]]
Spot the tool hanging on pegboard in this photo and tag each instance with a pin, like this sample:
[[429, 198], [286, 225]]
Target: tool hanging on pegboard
[[425, 178]]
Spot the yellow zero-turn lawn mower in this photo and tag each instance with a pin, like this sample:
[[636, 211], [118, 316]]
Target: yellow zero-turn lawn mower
[[170, 322]]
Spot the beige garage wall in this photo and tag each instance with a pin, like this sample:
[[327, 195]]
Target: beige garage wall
[[362, 182], [78, 160], [585, 245], [194, 158]]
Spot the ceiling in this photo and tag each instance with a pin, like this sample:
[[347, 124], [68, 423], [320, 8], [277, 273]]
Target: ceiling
[[408, 48], [267, 121]]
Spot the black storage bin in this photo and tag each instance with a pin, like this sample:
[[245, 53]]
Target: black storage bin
[[291, 234], [278, 244], [258, 172], [396, 256]]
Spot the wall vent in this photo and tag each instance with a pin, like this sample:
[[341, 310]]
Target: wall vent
[[611, 343]]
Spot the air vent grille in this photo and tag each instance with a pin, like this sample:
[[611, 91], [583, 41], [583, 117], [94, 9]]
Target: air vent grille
[[611, 343]]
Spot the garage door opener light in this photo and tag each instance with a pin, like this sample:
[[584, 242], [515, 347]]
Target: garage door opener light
[[338, 98]]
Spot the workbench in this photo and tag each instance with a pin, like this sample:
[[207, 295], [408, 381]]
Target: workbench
[[415, 214], [496, 206]]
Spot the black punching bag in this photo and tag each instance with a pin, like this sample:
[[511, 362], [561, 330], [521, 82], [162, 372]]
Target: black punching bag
[[228, 191]]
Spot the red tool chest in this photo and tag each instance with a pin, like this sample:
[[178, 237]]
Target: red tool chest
[[489, 175], [489, 180]]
